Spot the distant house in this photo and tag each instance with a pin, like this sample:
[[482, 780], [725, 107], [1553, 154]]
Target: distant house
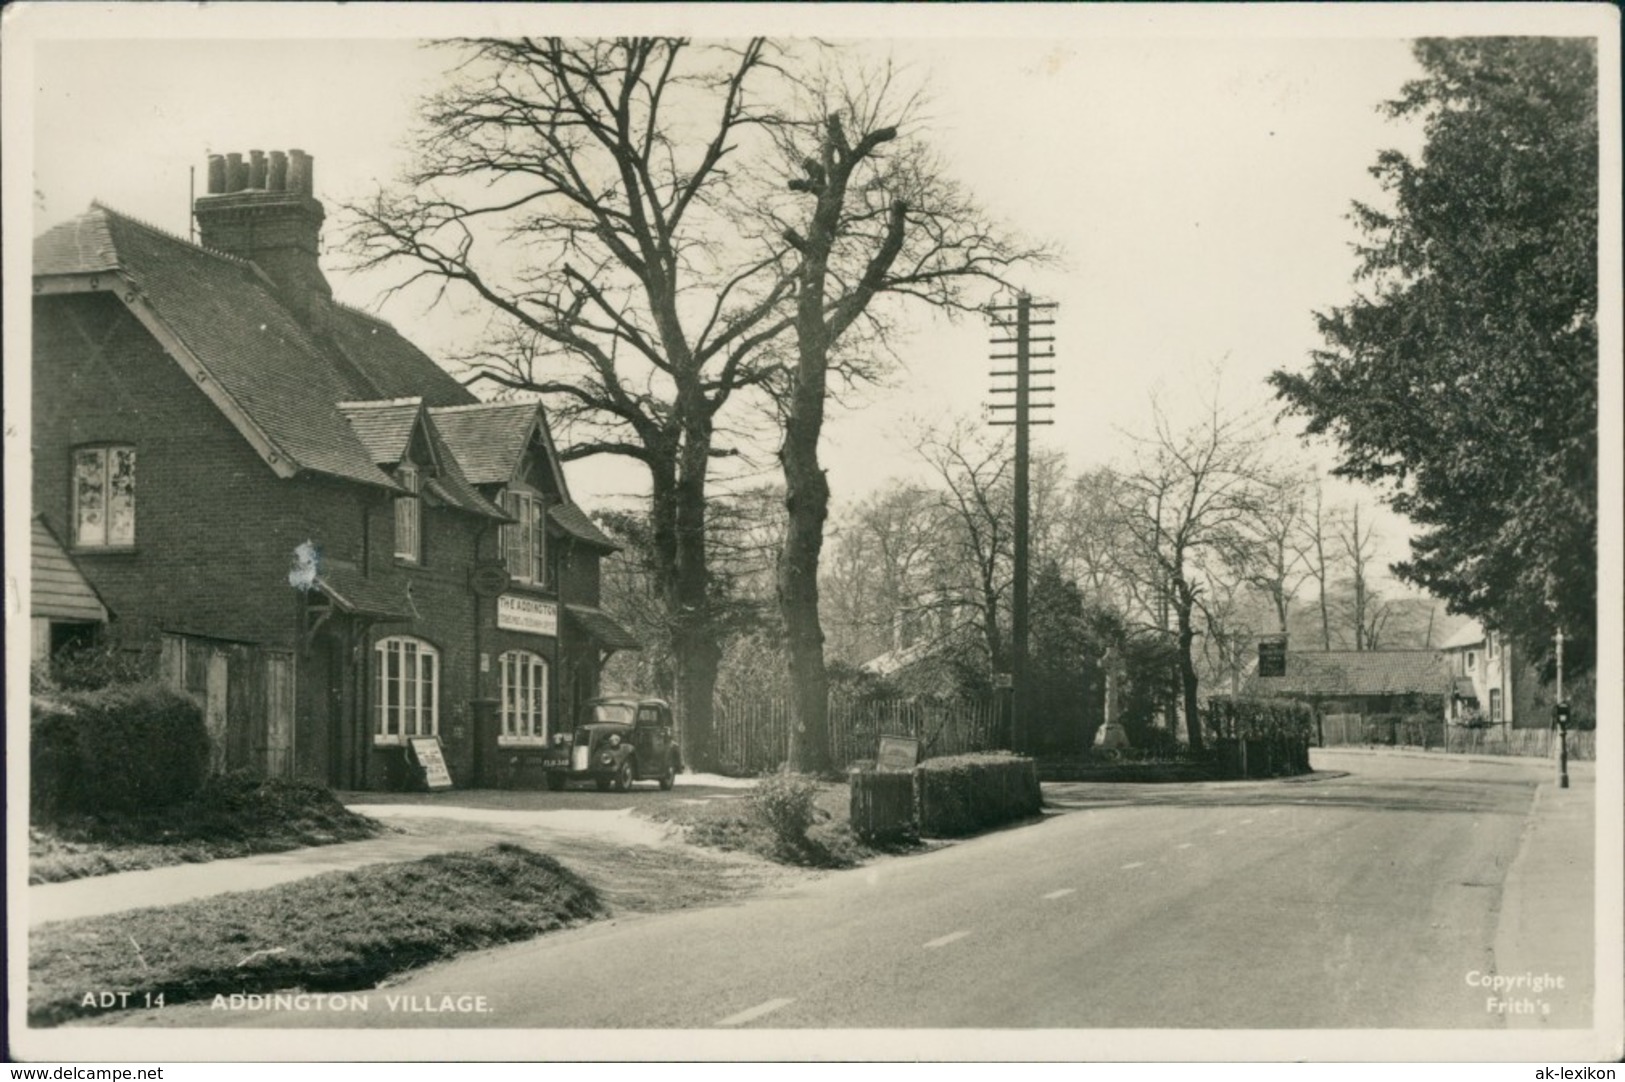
[[1490, 683], [305, 520], [1359, 681]]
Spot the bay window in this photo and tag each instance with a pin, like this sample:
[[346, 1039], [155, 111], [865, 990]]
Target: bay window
[[524, 698], [406, 691]]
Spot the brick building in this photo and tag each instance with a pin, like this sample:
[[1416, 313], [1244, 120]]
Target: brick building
[[291, 509]]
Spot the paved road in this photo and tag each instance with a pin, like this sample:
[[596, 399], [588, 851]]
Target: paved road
[[1357, 901]]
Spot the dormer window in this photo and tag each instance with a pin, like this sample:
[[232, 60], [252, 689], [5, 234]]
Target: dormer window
[[104, 497], [524, 541], [409, 515]]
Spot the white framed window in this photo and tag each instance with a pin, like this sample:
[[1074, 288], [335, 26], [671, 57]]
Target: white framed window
[[524, 541], [408, 516], [104, 497], [406, 692], [1494, 645], [524, 698], [1472, 660], [1495, 706]]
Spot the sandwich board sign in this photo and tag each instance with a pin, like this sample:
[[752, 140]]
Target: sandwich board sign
[[426, 750]]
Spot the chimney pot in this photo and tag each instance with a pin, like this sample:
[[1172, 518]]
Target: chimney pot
[[300, 170], [277, 177], [217, 174], [236, 173], [256, 169]]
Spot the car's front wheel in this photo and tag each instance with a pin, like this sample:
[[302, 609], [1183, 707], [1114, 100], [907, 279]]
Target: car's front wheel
[[623, 777], [669, 778]]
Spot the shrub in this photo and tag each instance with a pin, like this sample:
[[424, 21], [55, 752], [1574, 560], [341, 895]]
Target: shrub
[[1382, 728], [124, 747], [1260, 719], [786, 802], [961, 794]]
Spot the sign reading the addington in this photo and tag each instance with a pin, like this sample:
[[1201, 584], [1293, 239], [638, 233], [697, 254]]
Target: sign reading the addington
[[515, 613], [1272, 657], [897, 753], [426, 750]]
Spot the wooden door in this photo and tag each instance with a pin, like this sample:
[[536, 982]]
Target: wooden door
[[214, 708], [278, 715]]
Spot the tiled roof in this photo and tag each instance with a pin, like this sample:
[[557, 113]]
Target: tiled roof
[[603, 627], [574, 521], [453, 484], [58, 590], [1358, 672], [228, 315], [488, 438], [82, 246], [384, 427], [395, 367], [358, 595]]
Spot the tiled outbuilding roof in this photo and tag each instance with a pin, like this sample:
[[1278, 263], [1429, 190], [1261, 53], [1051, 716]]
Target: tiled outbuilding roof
[[603, 627], [1358, 672], [356, 594], [58, 590], [574, 521]]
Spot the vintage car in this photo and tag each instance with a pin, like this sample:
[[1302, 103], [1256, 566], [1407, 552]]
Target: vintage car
[[620, 741]]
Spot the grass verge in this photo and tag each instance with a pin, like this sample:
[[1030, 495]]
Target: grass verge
[[338, 932], [733, 823], [234, 815]]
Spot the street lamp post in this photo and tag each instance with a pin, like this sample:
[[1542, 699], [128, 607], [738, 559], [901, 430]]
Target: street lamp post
[[1560, 711]]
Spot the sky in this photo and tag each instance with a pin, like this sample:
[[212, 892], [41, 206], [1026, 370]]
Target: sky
[[1195, 171]]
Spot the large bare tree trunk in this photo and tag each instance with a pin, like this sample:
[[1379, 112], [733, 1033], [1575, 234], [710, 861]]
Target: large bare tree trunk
[[1187, 671], [694, 635], [807, 500]]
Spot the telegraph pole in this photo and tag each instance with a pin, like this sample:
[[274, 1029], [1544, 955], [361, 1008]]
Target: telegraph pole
[[1016, 322]]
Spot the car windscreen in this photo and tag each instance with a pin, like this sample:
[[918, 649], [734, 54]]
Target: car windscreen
[[620, 713]]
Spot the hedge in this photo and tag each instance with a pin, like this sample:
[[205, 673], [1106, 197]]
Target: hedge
[[961, 794], [120, 748], [1261, 737]]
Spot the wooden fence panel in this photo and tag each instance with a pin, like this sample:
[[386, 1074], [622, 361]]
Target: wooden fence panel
[[753, 735]]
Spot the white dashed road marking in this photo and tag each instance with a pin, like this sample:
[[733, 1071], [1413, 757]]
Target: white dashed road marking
[[943, 941], [1244, 822], [1136, 864], [1062, 893], [1184, 845], [755, 1012], [1221, 830]]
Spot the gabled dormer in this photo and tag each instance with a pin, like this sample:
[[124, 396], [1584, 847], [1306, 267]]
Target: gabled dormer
[[506, 449], [402, 441]]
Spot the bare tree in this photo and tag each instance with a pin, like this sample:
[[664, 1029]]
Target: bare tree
[[880, 578], [1269, 558], [580, 192], [1184, 503], [1366, 613], [876, 217], [1091, 542], [1316, 550], [976, 524]]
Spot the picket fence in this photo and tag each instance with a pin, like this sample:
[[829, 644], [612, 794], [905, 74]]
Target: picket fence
[[753, 735], [1355, 730]]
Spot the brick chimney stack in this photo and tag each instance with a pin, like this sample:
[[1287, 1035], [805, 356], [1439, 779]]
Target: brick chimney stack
[[262, 210]]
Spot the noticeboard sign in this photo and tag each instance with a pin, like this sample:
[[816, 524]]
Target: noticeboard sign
[[426, 750], [897, 753], [1272, 657], [516, 613]]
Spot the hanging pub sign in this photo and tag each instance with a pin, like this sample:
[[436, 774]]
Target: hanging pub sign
[[489, 578], [1272, 657], [426, 750], [516, 613]]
